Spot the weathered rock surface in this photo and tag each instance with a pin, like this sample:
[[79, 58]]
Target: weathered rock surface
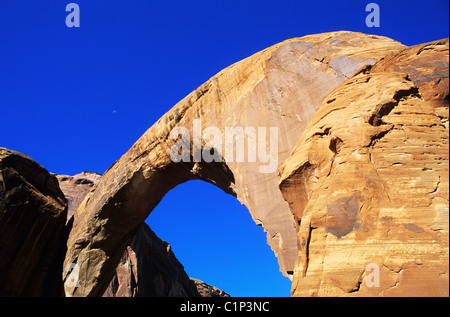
[[32, 238], [363, 186], [148, 267], [76, 187], [281, 87], [427, 66], [206, 290], [368, 181]]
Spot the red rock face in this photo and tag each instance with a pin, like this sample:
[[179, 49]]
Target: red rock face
[[33, 212], [76, 187]]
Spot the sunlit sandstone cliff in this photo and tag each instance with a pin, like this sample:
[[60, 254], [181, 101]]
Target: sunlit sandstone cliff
[[283, 86], [356, 203], [367, 182]]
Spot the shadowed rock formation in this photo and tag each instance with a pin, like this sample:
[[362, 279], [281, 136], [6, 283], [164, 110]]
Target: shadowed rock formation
[[206, 290], [32, 238], [149, 268], [281, 87], [76, 187]]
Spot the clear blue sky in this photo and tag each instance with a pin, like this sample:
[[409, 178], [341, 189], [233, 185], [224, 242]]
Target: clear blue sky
[[76, 99]]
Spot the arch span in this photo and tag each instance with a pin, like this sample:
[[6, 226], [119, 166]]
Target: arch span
[[280, 87]]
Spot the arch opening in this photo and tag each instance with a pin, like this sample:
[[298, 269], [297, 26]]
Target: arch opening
[[217, 241], [105, 224]]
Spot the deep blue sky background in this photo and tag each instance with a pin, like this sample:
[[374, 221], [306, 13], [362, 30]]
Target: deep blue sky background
[[76, 99]]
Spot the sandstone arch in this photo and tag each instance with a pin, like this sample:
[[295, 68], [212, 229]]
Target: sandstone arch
[[282, 86]]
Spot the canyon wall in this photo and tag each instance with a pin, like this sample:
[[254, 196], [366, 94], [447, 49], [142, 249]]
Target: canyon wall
[[33, 212], [367, 182]]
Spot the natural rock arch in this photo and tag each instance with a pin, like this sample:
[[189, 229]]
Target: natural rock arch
[[216, 240], [282, 87]]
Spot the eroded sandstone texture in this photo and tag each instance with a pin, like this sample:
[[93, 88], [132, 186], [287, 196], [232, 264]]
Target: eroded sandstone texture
[[148, 266], [76, 187], [32, 238], [367, 182], [282, 87], [365, 172]]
